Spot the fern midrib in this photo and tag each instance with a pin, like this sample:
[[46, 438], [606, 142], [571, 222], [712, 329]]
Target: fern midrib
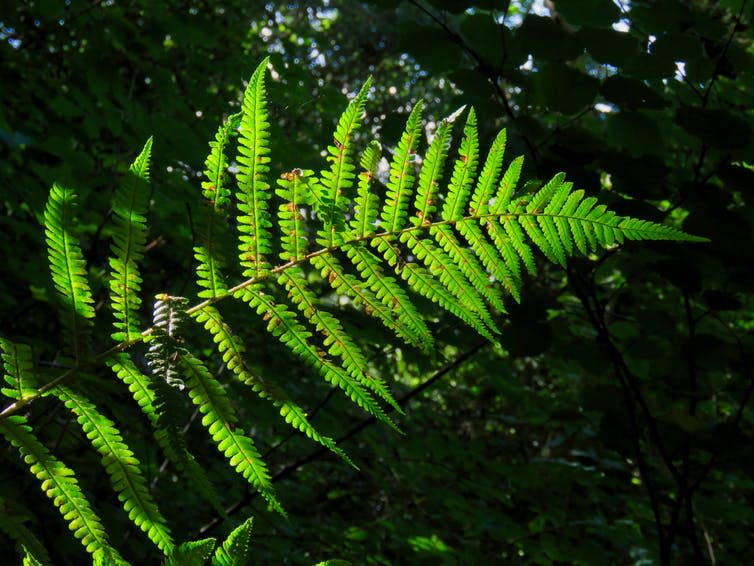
[[18, 405]]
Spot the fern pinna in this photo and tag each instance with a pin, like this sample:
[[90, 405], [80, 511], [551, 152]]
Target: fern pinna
[[460, 234]]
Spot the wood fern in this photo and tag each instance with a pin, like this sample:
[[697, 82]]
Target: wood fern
[[459, 237]]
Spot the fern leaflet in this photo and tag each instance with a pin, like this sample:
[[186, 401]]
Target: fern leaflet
[[130, 204], [60, 485], [68, 270], [121, 465]]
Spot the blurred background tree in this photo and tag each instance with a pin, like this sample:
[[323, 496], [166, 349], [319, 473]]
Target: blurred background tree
[[612, 424]]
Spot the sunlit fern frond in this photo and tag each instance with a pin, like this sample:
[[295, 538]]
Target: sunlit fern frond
[[68, 270], [59, 483], [130, 204], [451, 227], [121, 465]]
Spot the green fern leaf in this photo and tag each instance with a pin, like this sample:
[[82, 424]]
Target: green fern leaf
[[387, 290], [68, 270], [519, 243], [294, 190], [121, 465], [488, 177], [130, 204], [357, 290], [452, 284], [424, 283], [333, 183], [59, 484], [469, 265], [137, 383], [167, 429], [463, 171], [509, 255], [254, 223], [553, 209], [401, 180], [337, 341], [507, 186], [165, 383], [636, 229], [365, 206], [425, 202], [19, 370], [216, 197], [490, 257], [220, 419], [235, 550], [282, 323], [232, 351]]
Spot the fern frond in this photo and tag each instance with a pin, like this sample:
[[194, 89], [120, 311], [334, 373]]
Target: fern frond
[[283, 324], [59, 484], [19, 370], [232, 351], [471, 268], [334, 183], [508, 253], [507, 186], [216, 195], [444, 284], [121, 465], [637, 229], [234, 551], [68, 270], [490, 257], [518, 241], [366, 202], [255, 241], [130, 204], [220, 419], [137, 383]]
